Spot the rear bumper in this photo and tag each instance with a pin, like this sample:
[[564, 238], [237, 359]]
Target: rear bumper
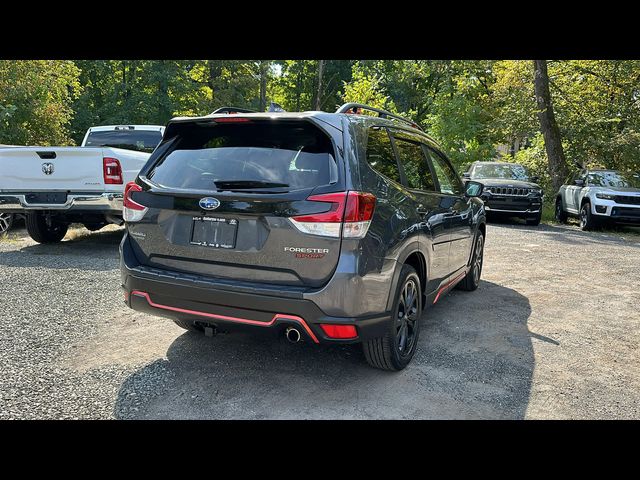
[[110, 202], [186, 297]]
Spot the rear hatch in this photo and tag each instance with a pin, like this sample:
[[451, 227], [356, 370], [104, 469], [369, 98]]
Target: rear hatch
[[221, 193], [32, 169]]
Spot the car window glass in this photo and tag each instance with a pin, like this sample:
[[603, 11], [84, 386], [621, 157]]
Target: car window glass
[[449, 181], [416, 168], [380, 154]]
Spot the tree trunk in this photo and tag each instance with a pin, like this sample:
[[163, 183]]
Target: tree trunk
[[318, 103], [558, 169], [263, 85]]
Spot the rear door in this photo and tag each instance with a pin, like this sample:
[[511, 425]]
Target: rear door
[[32, 169], [431, 207], [222, 198], [459, 221]]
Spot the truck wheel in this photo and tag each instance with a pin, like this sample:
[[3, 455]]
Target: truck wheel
[[534, 221], [41, 232], [6, 220], [395, 350], [561, 215], [94, 227], [188, 325], [472, 279], [587, 222]]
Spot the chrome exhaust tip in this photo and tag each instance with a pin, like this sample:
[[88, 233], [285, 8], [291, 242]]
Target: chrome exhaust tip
[[293, 334]]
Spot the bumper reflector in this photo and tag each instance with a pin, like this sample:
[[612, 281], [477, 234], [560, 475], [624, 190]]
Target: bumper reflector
[[339, 331]]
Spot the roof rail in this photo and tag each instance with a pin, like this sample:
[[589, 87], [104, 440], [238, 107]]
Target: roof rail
[[381, 113], [231, 110]]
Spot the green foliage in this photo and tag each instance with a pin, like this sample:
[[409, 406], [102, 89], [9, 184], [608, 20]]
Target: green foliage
[[470, 106], [35, 101]]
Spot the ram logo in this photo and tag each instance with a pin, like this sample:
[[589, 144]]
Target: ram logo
[[47, 168], [209, 203]]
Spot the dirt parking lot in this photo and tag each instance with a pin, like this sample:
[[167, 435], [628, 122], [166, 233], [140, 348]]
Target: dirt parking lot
[[552, 332]]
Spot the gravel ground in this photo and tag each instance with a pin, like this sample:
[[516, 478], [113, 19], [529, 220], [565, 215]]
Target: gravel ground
[[552, 332]]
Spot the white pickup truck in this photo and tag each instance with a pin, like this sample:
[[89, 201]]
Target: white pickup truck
[[56, 186]]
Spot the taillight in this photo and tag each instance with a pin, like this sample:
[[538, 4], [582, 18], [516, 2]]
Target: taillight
[[112, 171], [350, 212], [231, 120], [132, 211]]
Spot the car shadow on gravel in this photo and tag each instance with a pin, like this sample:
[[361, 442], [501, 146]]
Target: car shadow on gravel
[[475, 360], [85, 251]]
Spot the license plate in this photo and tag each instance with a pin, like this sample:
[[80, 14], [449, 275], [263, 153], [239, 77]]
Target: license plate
[[214, 232], [59, 198]]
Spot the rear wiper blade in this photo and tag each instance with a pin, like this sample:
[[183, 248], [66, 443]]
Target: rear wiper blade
[[241, 184]]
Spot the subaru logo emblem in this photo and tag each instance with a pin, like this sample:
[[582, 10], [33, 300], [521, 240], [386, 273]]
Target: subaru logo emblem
[[47, 168], [209, 203]]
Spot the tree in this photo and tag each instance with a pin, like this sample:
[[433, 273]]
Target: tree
[[36, 101], [552, 140]]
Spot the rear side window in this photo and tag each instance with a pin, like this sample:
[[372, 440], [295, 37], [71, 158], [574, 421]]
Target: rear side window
[[415, 165], [449, 181], [138, 140], [380, 153], [251, 155]]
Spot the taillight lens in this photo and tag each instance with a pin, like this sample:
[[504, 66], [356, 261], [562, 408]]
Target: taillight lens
[[132, 211], [350, 212], [112, 171], [232, 120]]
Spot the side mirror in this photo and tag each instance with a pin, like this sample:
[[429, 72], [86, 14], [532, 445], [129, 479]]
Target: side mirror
[[466, 175], [535, 179], [579, 182], [473, 189]]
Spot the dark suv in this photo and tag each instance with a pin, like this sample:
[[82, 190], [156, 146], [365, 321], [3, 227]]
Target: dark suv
[[330, 227], [508, 190]]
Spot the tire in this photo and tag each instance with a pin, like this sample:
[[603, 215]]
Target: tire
[[41, 232], [561, 215], [534, 221], [6, 221], [587, 222], [188, 325], [94, 227], [396, 348], [472, 279]]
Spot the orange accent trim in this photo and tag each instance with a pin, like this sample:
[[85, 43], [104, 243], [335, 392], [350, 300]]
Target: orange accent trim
[[452, 282], [276, 317]]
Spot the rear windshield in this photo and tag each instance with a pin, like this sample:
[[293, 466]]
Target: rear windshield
[[139, 140], [248, 156]]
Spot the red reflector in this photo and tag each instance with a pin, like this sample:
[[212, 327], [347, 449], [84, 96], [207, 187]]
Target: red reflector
[[128, 202], [112, 171], [359, 207], [339, 331], [231, 120]]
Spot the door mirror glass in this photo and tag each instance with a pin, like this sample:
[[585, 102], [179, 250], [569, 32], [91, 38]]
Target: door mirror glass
[[466, 176], [473, 189], [579, 182]]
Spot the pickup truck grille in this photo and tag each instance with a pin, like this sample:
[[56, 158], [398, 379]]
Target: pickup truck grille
[[627, 199], [521, 192]]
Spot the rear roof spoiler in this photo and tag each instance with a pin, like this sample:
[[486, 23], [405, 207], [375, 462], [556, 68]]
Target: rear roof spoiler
[[354, 107]]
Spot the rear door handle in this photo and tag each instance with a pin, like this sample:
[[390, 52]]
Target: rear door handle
[[422, 210]]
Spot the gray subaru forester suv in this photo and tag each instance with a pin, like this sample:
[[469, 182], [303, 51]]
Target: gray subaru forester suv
[[327, 227]]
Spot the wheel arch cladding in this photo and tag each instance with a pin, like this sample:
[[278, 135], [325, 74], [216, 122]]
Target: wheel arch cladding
[[419, 263]]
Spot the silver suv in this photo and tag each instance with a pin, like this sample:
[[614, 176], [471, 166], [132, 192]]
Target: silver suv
[[598, 197]]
